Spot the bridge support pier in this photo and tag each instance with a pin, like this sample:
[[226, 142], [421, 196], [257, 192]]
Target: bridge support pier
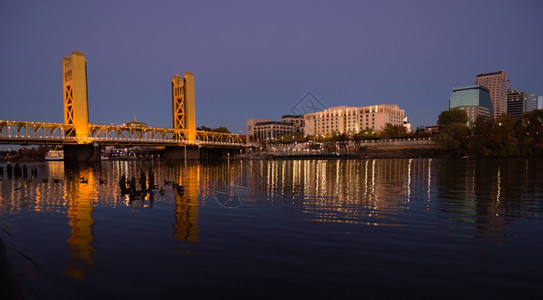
[[178, 153], [81, 153]]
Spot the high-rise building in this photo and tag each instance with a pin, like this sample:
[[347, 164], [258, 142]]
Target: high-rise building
[[519, 102], [475, 100], [346, 119], [496, 83]]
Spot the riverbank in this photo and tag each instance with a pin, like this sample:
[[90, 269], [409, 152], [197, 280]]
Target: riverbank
[[419, 151]]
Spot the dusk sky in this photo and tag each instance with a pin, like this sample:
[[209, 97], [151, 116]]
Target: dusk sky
[[257, 59]]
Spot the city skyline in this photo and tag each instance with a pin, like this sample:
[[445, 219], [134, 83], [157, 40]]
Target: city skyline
[[258, 60]]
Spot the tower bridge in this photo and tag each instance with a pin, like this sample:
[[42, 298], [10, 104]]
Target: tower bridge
[[82, 140]]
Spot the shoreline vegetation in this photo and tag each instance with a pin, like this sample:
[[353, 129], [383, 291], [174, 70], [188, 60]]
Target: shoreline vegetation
[[504, 136], [31, 154]]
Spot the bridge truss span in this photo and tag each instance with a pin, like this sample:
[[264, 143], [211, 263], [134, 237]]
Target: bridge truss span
[[210, 138], [124, 135], [22, 132], [130, 135]]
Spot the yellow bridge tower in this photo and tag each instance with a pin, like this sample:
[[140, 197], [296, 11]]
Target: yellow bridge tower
[[76, 109], [184, 113]]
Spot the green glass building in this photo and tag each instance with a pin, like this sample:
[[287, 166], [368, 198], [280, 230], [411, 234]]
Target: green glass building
[[475, 100]]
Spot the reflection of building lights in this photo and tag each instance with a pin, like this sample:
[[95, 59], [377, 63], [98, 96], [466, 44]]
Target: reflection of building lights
[[429, 177], [373, 179], [499, 186], [473, 192], [409, 179]]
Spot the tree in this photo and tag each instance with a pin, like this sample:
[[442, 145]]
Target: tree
[[452, 116], [533, 132], [368, 134], [499, 137], [343, 142], [496, 137], [394, 131], [221, 129], [508, 131], [203, 128], [295, 137], [482, 141], [454, 133], [455, 137], [421, 132]]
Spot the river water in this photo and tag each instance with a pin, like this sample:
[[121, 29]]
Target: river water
[[281, 229]]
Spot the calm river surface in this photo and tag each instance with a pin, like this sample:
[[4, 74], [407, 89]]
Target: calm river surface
[[293, 229]]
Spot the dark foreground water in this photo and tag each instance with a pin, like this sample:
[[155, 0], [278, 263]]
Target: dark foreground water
[[328, 229]]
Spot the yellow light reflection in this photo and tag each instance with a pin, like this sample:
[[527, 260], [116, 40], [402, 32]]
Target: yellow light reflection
[[80, 197], [499, 186], [409, 180], [429, 181], [186, 209]]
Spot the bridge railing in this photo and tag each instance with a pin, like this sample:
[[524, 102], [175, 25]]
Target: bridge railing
[[124, 133], [160, 135], [218, 138], [22, 131]]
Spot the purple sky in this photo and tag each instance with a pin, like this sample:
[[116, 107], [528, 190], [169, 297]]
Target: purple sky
[[257, 59]]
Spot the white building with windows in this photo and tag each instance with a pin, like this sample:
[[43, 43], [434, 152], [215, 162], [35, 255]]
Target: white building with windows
[[346, 119], [296, 120], [271, 130], [251, 137]]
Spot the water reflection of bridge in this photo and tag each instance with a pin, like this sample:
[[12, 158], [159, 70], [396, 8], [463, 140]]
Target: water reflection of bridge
[[79, 199]]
